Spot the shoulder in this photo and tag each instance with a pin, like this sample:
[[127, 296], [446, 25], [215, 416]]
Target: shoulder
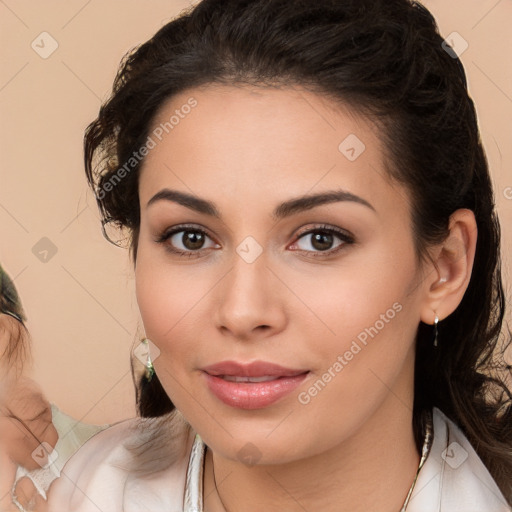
[[132, 466], [454, 477]]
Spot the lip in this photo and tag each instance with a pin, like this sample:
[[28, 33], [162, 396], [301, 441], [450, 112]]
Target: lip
[[253, 369], [252, 395]]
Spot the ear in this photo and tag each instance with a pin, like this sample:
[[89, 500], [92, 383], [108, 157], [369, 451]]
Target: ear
[[448, 277]]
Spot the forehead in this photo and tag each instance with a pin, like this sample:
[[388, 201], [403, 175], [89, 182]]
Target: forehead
[[260, 144]]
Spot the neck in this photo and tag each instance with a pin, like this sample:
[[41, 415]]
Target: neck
[[374, 469]]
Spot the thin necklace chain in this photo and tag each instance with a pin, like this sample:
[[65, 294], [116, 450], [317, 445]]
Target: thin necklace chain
[[217, 489]]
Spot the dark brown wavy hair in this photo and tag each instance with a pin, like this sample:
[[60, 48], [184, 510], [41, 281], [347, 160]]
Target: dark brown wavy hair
[[386, 60]]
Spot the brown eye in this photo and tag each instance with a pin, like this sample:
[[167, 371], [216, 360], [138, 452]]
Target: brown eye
[[322, 241], [326, 240], [192, 240], [186, 240]]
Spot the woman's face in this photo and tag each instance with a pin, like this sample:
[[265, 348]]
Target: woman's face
[[329, 289]]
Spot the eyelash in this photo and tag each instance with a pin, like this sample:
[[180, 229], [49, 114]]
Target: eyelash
[[344, 236]]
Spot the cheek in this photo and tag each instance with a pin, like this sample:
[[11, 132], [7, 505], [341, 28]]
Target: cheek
[[166, 295], [367, 334], [172, 301], [372, 356], [364, 297], [372, 317]]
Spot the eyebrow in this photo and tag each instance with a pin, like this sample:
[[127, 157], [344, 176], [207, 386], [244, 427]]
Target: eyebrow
[[286, 209]]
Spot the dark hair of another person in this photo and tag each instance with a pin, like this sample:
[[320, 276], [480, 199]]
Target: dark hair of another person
[[385, 60], [17, 349]]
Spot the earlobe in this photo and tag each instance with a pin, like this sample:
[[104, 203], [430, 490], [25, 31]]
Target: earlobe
[[449, 278]]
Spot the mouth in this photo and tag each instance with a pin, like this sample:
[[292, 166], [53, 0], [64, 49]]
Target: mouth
[[251, 386], [254, 370], [264, 378]]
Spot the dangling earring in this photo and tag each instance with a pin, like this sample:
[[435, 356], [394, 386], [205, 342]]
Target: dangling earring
[[150, 369], [436, 332]]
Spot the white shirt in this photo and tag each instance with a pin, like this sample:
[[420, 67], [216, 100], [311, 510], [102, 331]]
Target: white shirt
[[100, 477]]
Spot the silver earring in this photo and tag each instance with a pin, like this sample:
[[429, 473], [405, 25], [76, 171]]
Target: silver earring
[[150, 369], [436, 332]]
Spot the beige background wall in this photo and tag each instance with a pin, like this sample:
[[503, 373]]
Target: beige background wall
[[80, 301]]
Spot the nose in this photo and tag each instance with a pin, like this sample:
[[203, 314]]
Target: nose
[[248, 301]]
